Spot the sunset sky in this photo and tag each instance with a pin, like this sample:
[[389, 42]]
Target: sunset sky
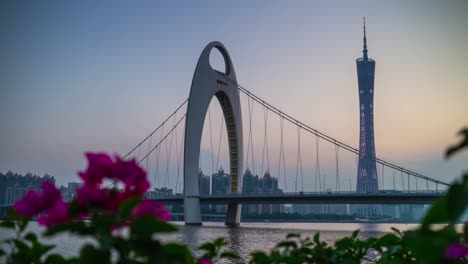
[[87, 75]]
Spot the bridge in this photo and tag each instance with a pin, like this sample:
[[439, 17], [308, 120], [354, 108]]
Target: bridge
[[383, 197], [165, 156]]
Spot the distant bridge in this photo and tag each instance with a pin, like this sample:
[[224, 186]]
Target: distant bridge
[[382, 197]]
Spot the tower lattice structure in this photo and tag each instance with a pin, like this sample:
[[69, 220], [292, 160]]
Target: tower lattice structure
[[367, 180]]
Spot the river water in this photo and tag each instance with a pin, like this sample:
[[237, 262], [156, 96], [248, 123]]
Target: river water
[[244, 239]]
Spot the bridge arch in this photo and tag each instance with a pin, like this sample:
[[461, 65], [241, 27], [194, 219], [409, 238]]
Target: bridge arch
[[206, 84]]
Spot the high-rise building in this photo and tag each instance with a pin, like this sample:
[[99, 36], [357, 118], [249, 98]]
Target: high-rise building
[[220, 185], [203, 183], [220, 182], [367, 180], [249, 185], [269, 184], [14, 187], [68, 193], [249, 182]]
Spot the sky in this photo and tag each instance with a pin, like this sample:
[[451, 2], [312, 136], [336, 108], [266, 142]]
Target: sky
[[99, 76]]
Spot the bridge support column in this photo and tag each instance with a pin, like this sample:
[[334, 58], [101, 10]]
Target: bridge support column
[[233, 215], [192, 211]]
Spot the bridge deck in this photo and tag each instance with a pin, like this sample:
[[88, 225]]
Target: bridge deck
[[314, 198], [382, 197]]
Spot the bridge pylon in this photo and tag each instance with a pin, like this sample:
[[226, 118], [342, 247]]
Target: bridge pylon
[[206, 84]]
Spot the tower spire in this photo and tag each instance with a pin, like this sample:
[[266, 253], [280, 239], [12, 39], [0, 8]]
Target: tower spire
[[364, 51]]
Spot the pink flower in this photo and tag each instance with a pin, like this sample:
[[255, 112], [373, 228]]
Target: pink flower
[[92, 196], [100, 165], [457, 250], [55, 215], [205, 261], [151, 208], [132, 175], [29, 205], [34, 203]]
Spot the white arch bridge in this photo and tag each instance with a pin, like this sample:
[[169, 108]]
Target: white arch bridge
[[397, 185]]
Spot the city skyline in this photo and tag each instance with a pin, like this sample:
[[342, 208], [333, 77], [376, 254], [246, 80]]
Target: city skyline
[[105, 98]]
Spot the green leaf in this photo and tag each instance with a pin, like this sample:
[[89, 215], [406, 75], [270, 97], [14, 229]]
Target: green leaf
[[89, 254], [438, 213], [429, 246], [355, 234], [286, 244], [259, 257], [396, 230], [293, 235], [31, 237], [74, 210], [176, 249], [316, 238], [462, 144], [7, 224], [177, 253], [210, 249], [126, 208], [289, 260], [144, 227], [450, 207], [344, 243], [219, 242], [465, 232], [55, 259], [388, 240]]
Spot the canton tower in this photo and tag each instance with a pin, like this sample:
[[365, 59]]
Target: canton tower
[[367, 180]]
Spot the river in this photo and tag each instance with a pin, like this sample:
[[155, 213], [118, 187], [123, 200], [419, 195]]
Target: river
[[244, 239]]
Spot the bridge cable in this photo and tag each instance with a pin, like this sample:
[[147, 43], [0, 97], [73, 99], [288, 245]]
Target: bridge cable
[[149, 147], [157, 128], [157, 145], [328, 138], [250, 135], [281, 155], [265, 140], [317, 165], [179, 161], [211, 139], [219, 142], [239, 172], [157, 154], [250, 103], [168, 155], [337, 184], [299, 159], [409, 186], [383, 174], [139, 150], [177, 154], [379, 176], [402, 181]]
